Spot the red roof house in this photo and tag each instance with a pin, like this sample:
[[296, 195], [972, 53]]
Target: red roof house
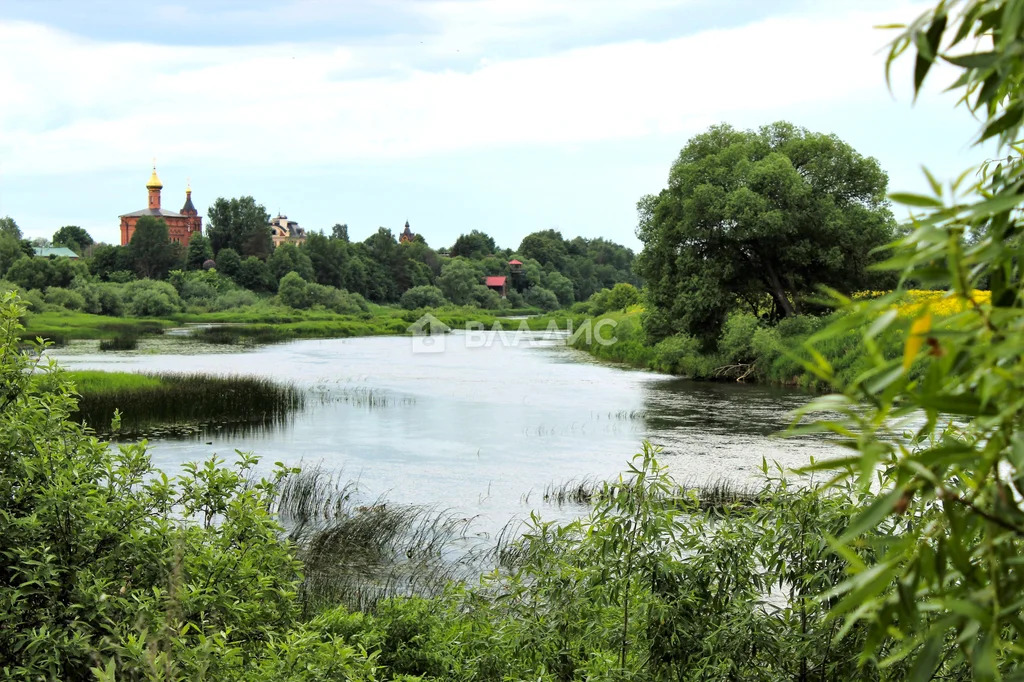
[[497, 284]]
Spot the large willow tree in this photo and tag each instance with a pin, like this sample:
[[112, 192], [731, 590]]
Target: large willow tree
[[752, 217]]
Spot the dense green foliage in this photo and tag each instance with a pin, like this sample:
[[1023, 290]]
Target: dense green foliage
[[948, 587], [338, 275], [73, 237], [114, 570], [758, 219], [9, 228], [151, 250], [103, 562], [904, 565], [747, 349], [198, 253], [239, 224]]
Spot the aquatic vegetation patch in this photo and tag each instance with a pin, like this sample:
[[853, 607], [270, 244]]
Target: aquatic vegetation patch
[[77, 325], [123, 342], [145, 401], [362, 396], [714, 495], [357, 552]]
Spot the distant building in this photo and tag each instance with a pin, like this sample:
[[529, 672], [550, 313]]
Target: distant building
[[54, 252], [407, 234], [284, 231], [180, 226], [518, 277], [499, 284]]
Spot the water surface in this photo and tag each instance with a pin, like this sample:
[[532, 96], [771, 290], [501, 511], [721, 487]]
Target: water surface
[[481, 423]]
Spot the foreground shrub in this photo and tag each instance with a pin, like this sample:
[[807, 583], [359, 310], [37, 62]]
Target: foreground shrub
[[107, 563]]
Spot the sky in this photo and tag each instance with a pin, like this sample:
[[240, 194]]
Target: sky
[[507, 116]]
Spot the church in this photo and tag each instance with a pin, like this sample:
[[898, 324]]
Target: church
[[181, 225]]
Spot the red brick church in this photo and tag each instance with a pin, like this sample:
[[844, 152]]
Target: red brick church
[[181, 226]]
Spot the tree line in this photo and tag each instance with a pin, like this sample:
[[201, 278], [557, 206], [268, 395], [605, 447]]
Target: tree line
[[237, 243]]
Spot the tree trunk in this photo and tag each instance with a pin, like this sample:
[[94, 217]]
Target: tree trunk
[[778, 292]]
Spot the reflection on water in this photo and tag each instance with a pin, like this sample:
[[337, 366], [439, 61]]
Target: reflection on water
[[477, 424]]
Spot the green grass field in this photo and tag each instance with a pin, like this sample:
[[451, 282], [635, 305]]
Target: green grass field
[[263, 324], [64, 325]]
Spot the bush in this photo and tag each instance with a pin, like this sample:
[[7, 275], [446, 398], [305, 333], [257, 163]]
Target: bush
[[90, 296], [737, 333], [29, 272], [423, 297], [800, 325], [542, 298], [619, 297], [293, 291], [255, 275], [109, 564], [228, 262], [234, 299], [150, 298], [296, 293], [64, 298], [671, 354], [198, 292], [111, 299], [486, 298], [150, 303], [335, 300], [560, 286], [32, 299]]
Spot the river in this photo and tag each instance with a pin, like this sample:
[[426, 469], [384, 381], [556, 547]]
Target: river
[[479, 423]]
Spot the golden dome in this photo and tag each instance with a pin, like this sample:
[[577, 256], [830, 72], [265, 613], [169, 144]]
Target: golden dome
[[154, 181]]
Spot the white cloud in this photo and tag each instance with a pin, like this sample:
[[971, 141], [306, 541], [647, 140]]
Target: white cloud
[[75, 105]]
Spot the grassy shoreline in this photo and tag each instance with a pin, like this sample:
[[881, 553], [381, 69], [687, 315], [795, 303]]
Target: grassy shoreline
[[260, 324], [747, 350]]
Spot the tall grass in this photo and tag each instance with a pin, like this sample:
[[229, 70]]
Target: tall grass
[[77, 325], [147, 400], [362, 396], [128, 341], [713, 495], [242, 334], [358, 555]]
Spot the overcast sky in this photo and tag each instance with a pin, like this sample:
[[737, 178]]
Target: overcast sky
[[506, 116]]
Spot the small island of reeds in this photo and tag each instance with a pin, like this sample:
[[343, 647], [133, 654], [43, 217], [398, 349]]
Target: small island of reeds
[[181, 400]]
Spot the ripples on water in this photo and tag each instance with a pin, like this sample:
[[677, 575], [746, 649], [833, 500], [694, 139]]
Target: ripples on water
[[485, 423]]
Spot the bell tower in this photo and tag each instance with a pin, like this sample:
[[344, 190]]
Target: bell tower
[[154, 186]]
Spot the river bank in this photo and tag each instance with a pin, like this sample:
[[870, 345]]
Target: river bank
[[747, 351], [266, 323]]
